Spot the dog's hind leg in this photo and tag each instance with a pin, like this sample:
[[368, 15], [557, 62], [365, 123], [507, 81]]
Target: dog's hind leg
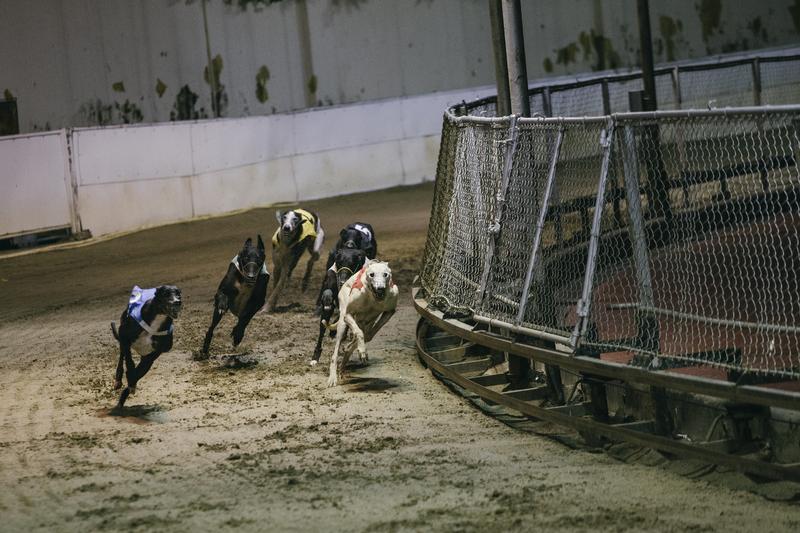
[[118, 374], [309, 268]]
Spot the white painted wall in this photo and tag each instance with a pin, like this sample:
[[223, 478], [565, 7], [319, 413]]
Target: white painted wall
[[143, 175], [61, 58], [35, 186]]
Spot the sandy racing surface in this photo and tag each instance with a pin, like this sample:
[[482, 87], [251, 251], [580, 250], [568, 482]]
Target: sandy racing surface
[[255, 441]]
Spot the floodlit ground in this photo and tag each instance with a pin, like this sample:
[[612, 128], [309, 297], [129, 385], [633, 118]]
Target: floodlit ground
[[256, 441]]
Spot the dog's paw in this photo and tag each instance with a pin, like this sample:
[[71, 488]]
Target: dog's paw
[[333, 380], [117, 384], [132, 389], [363, 357], [237, 335], [313, 362]]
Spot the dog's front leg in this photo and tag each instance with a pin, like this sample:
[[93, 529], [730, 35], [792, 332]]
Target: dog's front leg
[[372, 330], [341, 331], [255, 303], [318, 348], [140, 370], [361, 345], [220, 306]]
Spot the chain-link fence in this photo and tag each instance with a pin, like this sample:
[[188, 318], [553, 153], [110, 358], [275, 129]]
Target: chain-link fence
[[673, 236]]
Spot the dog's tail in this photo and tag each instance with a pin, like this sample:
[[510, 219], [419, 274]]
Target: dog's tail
[[114, 330]]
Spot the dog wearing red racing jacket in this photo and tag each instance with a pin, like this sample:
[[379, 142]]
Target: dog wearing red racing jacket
[[366, 302]]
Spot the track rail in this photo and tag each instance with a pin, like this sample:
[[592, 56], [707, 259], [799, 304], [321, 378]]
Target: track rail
[[466, 373]]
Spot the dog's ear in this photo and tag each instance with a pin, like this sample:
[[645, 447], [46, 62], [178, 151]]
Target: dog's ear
[[343, 234], [248, 243], [279, 217], [260, 243]]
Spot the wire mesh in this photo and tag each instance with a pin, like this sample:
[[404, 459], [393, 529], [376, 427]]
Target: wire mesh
[[780, 81], [722, 246], [698, 240]]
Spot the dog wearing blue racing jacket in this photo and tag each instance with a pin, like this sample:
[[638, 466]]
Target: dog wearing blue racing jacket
[[146, 327]]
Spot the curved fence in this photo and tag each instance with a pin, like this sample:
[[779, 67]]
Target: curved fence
[[670, 239]]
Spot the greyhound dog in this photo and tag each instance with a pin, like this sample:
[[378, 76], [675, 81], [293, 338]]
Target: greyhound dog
[[358, 235], [243, 290], [299, 230], [347, 261], [366, 302], [145, 326]]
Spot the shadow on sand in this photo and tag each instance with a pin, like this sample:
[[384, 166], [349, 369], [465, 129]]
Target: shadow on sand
[[136, 414]]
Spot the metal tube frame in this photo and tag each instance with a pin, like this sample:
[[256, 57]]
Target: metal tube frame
[[537, 238], [584, 304]]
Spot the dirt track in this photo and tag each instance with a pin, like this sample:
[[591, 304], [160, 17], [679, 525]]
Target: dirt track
[[256, 442]]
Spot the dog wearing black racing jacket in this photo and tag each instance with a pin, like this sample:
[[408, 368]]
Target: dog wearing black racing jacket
[[243, 290], [299, 230], [146, 327], [347, 261], [357, 236]]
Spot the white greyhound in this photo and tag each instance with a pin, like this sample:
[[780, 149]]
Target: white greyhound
[[366, 302]]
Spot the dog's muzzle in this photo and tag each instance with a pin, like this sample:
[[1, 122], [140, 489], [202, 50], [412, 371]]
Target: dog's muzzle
[[174, 309], [250, 271], [379, 288], [342, 275], [351, 244]]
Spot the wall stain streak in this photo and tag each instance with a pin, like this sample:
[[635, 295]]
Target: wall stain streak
[[262, 76], [710, 12]]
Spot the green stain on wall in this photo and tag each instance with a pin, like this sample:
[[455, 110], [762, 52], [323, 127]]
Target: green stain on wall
[[220, 96], [669, 28], [118, 87], [795, 12], [262, 76], [547, 64], [710, 12], [567, 54], [184, 106], [161, 87], [312, 84], [8, 96]]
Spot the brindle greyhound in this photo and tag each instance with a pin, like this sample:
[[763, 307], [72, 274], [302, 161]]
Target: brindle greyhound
[[347, 261], [243, 290], [299, 230], [145, 326]]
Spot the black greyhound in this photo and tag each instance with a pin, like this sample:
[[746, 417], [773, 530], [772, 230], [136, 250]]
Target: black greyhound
[[145, 326], [243, 290], [347, 261], [359, 235], [299, 230]]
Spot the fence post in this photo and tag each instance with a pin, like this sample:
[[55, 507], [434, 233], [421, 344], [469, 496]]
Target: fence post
[[500, 59], [756, 67], [676, 86], [584, 304], [647, 327], [500, 200], [515, 53]]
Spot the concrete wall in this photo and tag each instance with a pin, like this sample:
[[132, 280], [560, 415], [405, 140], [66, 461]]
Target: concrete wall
[[92, 62], [134, 176], [35, 183]]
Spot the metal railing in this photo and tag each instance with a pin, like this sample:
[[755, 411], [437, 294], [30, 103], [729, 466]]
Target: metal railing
[[672, 235]]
